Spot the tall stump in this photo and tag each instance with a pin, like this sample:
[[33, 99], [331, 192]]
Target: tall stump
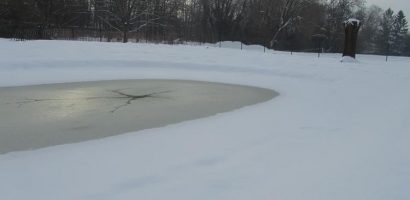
[[352, 27]]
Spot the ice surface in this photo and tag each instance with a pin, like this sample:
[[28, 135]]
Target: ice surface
[[47, 115]]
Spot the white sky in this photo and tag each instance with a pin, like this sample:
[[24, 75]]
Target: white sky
[[396, 5]]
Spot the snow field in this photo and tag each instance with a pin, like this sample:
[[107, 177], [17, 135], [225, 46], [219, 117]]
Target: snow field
[[337, 131]]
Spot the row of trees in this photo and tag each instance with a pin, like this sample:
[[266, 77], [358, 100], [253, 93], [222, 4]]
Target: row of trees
[[302, 25]]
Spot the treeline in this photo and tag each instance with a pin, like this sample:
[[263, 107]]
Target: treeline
[[297, 25]]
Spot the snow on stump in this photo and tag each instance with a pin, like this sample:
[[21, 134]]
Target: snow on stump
[[352, 27]]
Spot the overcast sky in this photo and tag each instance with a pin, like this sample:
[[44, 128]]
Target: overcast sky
[[396, 5]]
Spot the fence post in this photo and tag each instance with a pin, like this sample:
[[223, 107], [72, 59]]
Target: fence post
[[387, 51]]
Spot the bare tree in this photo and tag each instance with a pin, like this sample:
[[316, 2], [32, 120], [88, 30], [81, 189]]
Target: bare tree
[[367, 37], [219, 18], [3, 8], [280, 24], [125, 15], [289, 14]]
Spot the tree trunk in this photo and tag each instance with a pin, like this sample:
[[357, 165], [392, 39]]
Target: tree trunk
[[273, 41], [351, 32], [125, 36]]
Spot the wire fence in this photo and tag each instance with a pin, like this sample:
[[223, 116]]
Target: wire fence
[[89, 35], [97, 35]]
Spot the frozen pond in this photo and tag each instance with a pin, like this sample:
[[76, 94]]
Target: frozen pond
[[45, 115]]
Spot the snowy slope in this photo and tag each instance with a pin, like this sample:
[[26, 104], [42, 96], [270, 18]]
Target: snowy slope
[[337, 131]]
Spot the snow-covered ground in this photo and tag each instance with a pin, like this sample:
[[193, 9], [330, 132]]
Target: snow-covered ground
[[337, 131]]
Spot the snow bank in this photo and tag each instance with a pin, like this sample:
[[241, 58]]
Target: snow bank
[[348, 59], [232, 45], [338, 131]]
